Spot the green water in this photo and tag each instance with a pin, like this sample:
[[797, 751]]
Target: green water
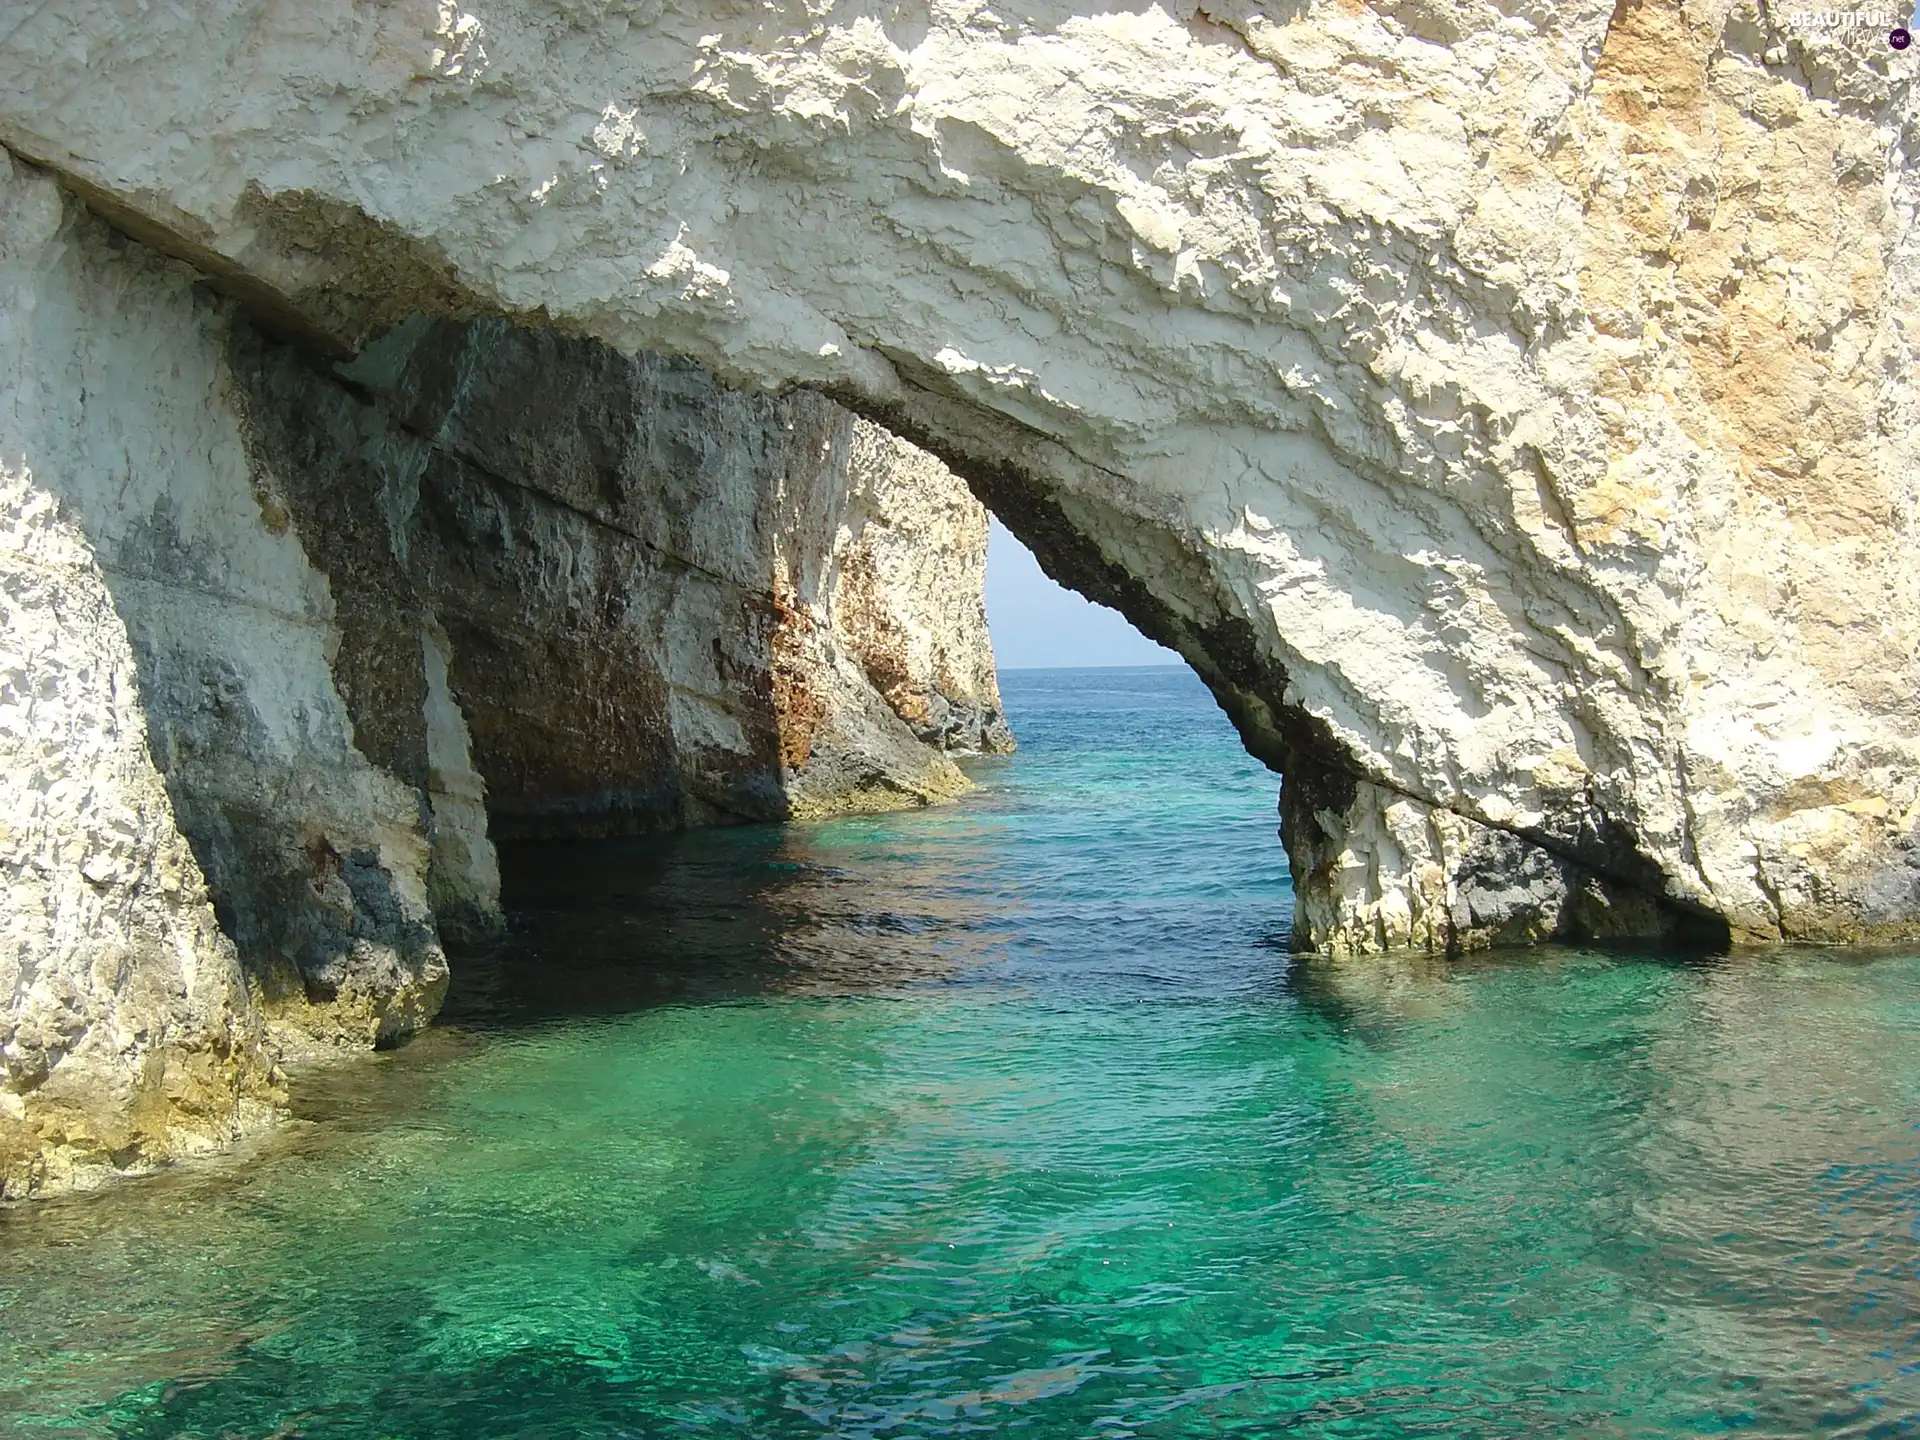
[[1018, 1117]]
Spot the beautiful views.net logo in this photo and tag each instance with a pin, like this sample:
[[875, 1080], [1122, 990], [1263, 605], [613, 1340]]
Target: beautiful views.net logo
[[1897, 27]]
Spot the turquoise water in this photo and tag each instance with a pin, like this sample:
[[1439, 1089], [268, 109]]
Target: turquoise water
[[1018, 1117]]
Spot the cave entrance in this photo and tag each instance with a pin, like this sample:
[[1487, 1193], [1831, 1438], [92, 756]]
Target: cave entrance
[[1126, 848]]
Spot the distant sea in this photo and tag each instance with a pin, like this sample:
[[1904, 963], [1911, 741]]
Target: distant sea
[[1017, 1116]]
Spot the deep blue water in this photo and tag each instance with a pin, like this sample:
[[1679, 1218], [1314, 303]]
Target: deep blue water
[[1017, 1117]]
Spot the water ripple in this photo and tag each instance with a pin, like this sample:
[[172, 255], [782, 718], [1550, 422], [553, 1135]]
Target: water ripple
[[1017, 1117]]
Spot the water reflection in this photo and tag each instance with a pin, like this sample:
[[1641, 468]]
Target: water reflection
[[1019, 1114], [1749, 1168], [608, 928], [1591, 1196]]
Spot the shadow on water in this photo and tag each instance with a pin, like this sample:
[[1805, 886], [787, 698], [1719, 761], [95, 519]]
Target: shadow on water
[[602, 928], [1366, 997], [599, 928]]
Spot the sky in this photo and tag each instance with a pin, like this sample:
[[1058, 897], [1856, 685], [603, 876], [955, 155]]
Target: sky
[[1038, 625]]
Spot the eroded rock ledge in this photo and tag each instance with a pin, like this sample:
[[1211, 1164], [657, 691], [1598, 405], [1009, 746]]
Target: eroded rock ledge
[[288, 644]]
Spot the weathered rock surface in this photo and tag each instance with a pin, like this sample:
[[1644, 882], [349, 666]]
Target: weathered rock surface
[[126, 1033], [637, 578], [285, 647], [1505, 407], [909, 594]]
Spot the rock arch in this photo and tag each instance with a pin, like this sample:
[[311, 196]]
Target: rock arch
[[1505, 407], [1487, 395], [289, 645]]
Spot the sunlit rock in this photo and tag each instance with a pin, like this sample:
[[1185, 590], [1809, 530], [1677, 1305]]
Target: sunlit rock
[[1504, 407], [1507, 410]]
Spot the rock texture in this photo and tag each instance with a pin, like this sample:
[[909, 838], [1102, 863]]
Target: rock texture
[[286, 646], [649, 595], [1505, 406], [126, 1033], [909, 594]]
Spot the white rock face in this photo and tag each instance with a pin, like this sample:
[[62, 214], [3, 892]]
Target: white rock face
[[126, 1034], [1506, 407], [126, 424], [282, 648], [909, 593]]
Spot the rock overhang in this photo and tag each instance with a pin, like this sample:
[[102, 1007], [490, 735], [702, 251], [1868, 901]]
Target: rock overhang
[[1486, 401]]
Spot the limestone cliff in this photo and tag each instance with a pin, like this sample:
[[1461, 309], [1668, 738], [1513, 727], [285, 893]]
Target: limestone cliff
[[286, 645], [126, 1032], [909, 602], [1506, 407]]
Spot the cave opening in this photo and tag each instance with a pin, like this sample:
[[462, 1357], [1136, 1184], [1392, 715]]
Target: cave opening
[[1129, 800]]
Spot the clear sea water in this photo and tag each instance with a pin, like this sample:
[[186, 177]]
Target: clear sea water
[[1018, 1116]]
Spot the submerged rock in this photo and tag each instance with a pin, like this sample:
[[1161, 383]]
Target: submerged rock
[[290, 645]]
